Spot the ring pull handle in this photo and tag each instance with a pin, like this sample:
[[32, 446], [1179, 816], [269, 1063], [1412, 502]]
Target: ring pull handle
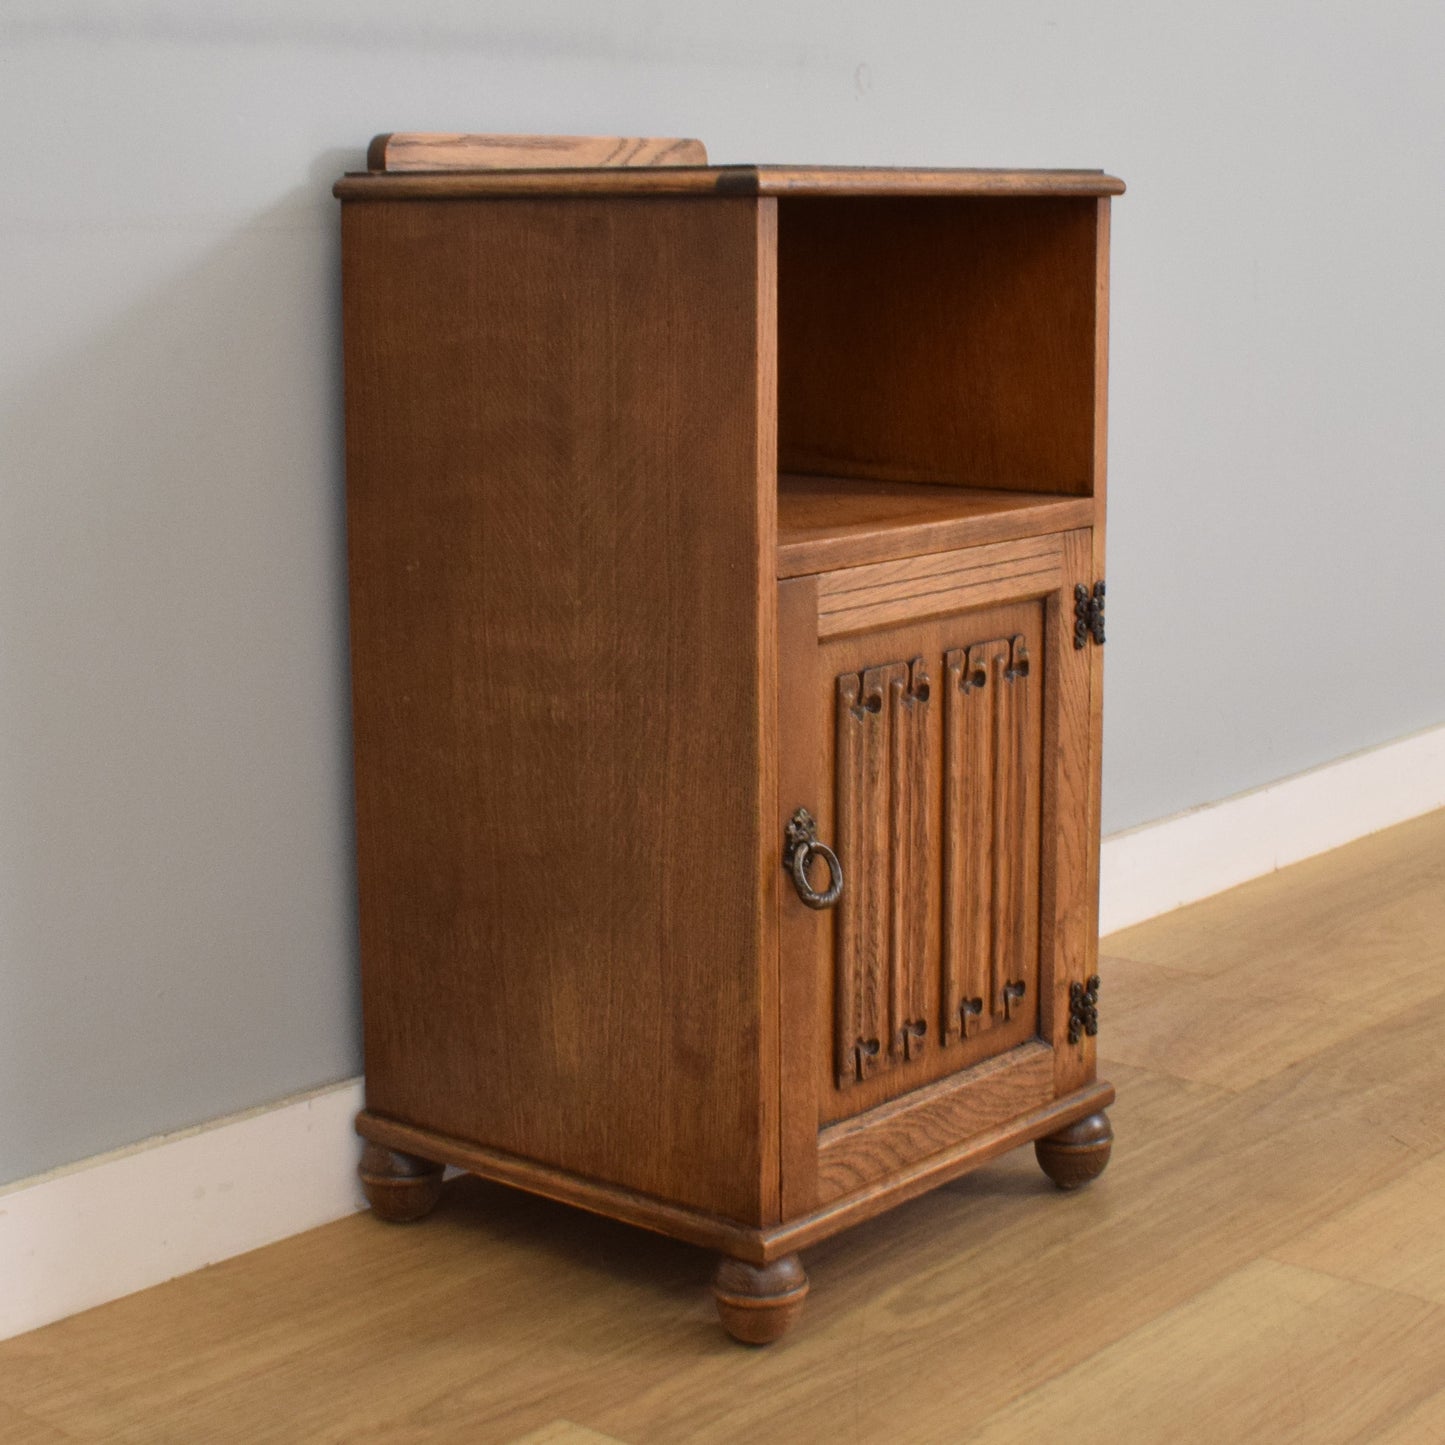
[[799, 850]]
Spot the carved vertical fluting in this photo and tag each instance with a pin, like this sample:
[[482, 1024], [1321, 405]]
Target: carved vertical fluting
[[881, 947], [863, 1008], [951, 990], [1006, 840], [969, 833], [898, 838], [848, 766], [1024, 937], [911, 860]]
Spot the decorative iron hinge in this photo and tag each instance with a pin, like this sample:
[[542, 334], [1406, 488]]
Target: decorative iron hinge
[[1084, 1009], [1088, 614]]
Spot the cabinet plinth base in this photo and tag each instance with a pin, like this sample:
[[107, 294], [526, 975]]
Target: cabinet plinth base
[[760, 1285], [399, 1187], [758, 1244], [1075, 1155], [757, 1303]]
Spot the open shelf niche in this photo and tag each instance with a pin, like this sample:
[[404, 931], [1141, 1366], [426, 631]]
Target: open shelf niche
[[938, 373]]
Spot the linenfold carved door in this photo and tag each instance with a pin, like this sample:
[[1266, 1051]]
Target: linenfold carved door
[[935, 799], [929, 713]]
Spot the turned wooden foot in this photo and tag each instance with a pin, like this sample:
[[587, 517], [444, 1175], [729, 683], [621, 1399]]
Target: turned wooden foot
[[1077, 1154], [399, 1187], [756, 1303]]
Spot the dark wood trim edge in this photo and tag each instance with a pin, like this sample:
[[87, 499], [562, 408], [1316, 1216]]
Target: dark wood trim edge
[[745, 180]]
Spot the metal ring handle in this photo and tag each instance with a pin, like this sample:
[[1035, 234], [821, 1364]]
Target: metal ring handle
[[802, 857], [799, 850]]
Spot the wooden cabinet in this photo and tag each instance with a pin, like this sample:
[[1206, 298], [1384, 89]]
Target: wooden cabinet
[[727, 608]]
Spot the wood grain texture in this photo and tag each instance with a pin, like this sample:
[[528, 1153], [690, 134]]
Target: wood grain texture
[[990, 883], [927, 1171], [1069, 888], [1255, 961], [628, 1205], [506, 1312], [566, 412], [914, 846], [828, 523], [767, 961], [935, 181], [435, 151], [1294, 1356], [1014, 763], [757, 1304], [858, 599], [565, 1432], [884, 942], [803, 781], [1099, 567], [791, 181], [1249, 1037], [1101, 376], [18, 1428], [1078, 1153], [864, 958], [967, 1002], [566, 888], [860, 1151], [887, 914], [930, 1164], [1390, 1239], [948, 340]]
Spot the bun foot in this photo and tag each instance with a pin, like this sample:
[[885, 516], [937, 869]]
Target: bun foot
[[399, 1187], [1075, 1155], [757, 1303]]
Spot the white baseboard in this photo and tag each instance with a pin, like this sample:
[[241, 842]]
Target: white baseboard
[[1161, 866], [118, 1223], [109, 1226]]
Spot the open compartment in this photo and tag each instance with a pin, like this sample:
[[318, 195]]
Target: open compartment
[[939, 365]]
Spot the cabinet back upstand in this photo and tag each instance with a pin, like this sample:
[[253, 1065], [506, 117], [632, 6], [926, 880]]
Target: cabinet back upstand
[[726, 551]]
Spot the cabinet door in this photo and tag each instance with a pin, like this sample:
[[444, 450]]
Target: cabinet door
[[934, 722]]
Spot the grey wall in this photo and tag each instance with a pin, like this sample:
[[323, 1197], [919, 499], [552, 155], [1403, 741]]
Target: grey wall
[[176, 929]]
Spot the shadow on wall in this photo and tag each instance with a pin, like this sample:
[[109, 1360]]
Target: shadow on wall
[[177, 935]]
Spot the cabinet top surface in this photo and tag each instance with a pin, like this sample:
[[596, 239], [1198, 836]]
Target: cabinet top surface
[[725, 181]]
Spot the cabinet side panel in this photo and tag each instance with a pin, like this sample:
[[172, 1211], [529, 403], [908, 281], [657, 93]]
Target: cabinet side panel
[[556, 526], [1101, 460]]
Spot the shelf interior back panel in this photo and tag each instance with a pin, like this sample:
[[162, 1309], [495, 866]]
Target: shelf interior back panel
[[950, 340]]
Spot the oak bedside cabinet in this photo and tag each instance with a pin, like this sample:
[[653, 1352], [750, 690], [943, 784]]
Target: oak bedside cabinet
[[726, 558]]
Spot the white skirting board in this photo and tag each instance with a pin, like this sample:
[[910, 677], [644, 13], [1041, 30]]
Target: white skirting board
[[109, 1226], [118, 1223], [1163, 865]]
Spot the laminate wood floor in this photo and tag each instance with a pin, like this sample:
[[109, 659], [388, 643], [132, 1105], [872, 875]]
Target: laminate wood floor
[[1263, 1261]]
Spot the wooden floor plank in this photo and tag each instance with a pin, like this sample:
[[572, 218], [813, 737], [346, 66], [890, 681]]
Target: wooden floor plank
[[1393, 1238], [565, 1432], [1228, 1030], [18, 1428], [1424, 1425], [1273, 1353], [1278, 1145]]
